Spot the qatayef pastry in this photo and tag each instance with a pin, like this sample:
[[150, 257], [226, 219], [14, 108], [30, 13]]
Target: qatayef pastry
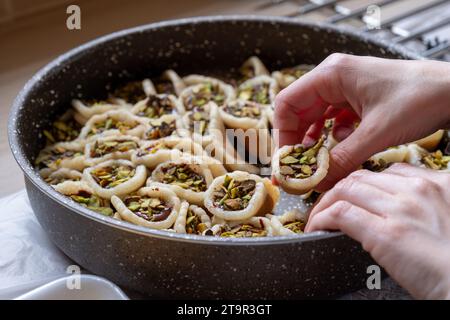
[[202, 90], [110, 147], [68, 155], [204, 124], [61, 175], [88, 108], [420, 157], [192, 219], [165, 126], [252, 118], [432, 141], [240, 195], [130, 93], [188, 179], [152, 207], [81, 193], [156, 106], [382, 160], [285, 77], [65, 129], [252, 227], [113, 122], [253, 67], [115, 177], [168, 83], [261, 89], [290, 223], [152, 153], [299, 169]]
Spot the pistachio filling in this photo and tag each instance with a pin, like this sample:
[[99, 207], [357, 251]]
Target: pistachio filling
[[295, 72], [131, 92], [234, 195], [198, 121], [242, 230], [194, 225], [93, 202], [62, 131], [148, 208], [160, 129], [436, 160], [57, 179], [296, 226], [247, 72], [102, 148], [54, 158], [110, 124], [157, 107], [243, 109], [112, 176], [183, 176], [375, 165], [152, 149], [258, 93], [301, 163], [203, 94]]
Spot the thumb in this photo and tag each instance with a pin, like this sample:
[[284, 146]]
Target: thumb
[[350, 153]]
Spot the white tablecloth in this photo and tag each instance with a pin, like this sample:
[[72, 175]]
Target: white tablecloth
[[27, 257]]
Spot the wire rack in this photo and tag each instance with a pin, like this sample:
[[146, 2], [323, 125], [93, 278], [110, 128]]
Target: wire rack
[[431, 17]]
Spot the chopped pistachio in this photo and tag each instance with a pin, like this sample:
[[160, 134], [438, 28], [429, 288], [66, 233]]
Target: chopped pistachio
[[153, 148], [234, 195], [301, 162], [55, 156], [258, 93], [112, 176], [183, 176], [243, 109], [157, 106], [436, 160], [109, 124], [375, 165], [148, 208], [93, 202], [242, 230], [102, 148], [194, 224], [203, 94], [296, 226], [160, 129]]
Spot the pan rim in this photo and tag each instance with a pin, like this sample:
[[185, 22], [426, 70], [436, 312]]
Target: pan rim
[[32, 176]]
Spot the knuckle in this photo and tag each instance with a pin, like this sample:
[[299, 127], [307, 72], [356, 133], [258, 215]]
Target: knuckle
[[339, 209], [336, 60], [423, 186], [343, 160]]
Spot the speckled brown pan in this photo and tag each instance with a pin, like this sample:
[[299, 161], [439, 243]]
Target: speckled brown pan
[[169, 265]]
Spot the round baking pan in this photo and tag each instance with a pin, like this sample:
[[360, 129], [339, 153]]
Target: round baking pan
[[169, 265]]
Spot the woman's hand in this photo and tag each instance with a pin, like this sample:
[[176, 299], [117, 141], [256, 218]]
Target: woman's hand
[[397, 101], [401, 216]]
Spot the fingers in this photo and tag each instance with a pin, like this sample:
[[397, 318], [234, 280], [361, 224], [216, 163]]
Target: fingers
[[366, 196], [305, 101], [354, 221], [344, 124], [407, 170]]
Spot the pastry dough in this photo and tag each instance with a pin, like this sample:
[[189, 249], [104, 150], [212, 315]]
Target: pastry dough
[[85, 109], [152, 207], [204, 124], [165, 126], [113, 122], [420, 157], [253, 67], [186, 177], [82, 193], [240, 195], [65, 129], [192, 219], [381, 160], [285, 77], [61, 175], [252, 227], [68, 155], [115, 177], [168, 83], [156, 106], [200, 90], [432, 141], [290, 223], [260, 89], [298, 169], [110, 147]]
